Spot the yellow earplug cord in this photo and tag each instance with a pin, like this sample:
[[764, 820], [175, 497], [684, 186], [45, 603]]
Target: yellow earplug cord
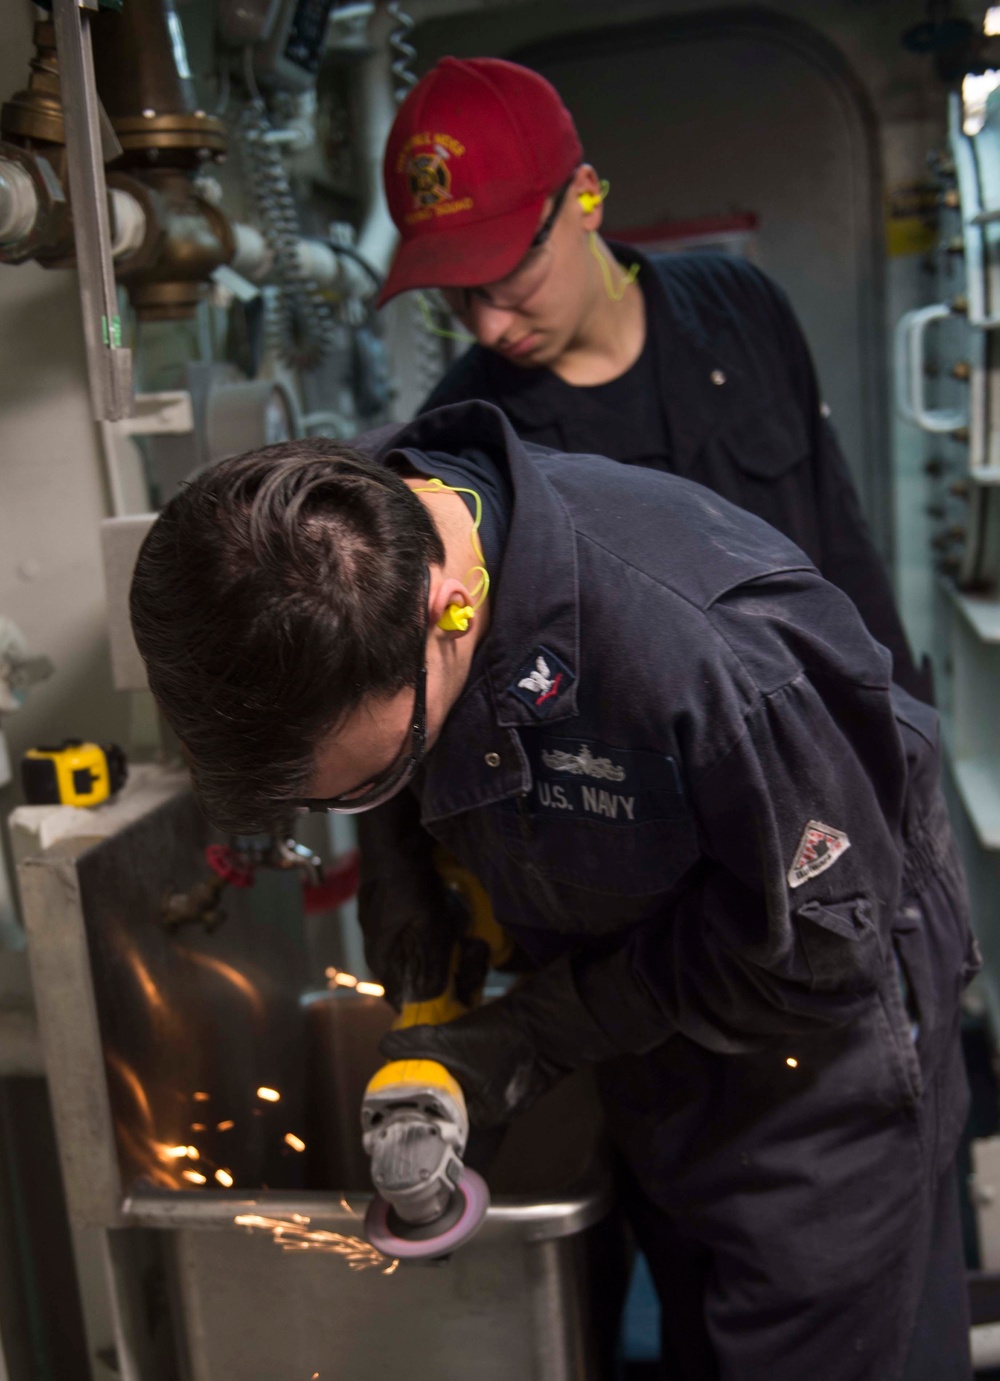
[[456, 617], [590, 201]]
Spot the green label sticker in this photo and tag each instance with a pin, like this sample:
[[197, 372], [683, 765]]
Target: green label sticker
[[111, 333]]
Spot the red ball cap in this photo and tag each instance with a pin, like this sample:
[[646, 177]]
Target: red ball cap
[[475, 149]]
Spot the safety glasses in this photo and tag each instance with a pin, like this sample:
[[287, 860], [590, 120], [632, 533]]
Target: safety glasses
[[379, 789], [524, 281]]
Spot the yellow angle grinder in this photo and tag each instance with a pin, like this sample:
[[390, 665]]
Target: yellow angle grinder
[[415, 1125]]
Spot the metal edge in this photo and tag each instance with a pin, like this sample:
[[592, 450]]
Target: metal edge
[[71, 1041], [519, 1218], [62, 983]]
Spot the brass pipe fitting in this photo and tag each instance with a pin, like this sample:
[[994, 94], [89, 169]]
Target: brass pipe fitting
[[149, 97], [187, 238], [147, 91], [35, 115]]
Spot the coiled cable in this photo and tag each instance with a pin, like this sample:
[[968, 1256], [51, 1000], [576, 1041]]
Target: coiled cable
[[429, 356], [302, 327], [403, 51]]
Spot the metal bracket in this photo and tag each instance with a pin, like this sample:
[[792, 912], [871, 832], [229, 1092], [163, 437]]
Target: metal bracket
[[109, 363], [157, 413]]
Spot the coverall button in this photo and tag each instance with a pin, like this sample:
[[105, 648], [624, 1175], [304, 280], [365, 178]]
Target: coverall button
[[492, 759], [717, 376]]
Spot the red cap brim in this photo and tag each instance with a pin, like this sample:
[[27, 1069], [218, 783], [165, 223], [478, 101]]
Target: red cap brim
[[463, 256]]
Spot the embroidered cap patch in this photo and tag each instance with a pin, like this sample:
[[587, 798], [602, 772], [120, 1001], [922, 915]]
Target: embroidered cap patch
[[819, 848], [542, 682]]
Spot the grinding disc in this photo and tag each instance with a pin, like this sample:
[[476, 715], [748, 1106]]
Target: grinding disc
[[412, 1242]]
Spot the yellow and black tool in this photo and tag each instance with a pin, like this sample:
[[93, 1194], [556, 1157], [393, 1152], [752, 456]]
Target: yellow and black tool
[[414, 1121], [73, 774]]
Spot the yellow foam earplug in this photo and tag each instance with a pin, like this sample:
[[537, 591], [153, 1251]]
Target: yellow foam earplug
[[456, 618], [590, 201]]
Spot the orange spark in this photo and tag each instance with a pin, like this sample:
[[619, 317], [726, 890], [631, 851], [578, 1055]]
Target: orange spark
[[294, 1235], [371, 989], [194, 1176], [146, 982], [231, 975], [133, 1083], [792, 1062], [175, 1152], [295, 1142], [224, 1178], [269, 1095], [224, 1126], [198, 1127], [201, 1097], [346, 980]]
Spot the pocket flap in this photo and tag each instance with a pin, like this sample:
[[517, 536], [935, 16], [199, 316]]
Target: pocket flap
[[769, 442], [841, 944]]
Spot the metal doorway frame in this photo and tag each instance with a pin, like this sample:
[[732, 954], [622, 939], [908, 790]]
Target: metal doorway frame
[[861, 121]]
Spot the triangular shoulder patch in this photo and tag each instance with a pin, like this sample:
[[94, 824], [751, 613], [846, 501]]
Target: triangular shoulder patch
[[819, 848]]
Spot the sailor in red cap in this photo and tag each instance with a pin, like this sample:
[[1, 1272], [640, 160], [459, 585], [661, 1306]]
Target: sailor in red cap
[[689, 363]]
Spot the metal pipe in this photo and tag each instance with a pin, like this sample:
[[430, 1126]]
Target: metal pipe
[[251, 256], [376, 112], [128, 223], [147, 90], [18, 203], [141, 61]]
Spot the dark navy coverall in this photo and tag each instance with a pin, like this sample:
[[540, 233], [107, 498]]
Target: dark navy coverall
[[679, 758], [743, 412]]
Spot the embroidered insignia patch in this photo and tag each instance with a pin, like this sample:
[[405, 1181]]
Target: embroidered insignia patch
[[426, 161], [598, 782], [583, 764], [542, 681], [819, 848]]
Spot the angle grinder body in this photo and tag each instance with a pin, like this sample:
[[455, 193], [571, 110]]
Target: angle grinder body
[[414, 1128], [415, 1125]]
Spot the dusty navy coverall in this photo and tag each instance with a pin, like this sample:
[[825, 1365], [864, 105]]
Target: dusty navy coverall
[[679, 758], [742, 412]]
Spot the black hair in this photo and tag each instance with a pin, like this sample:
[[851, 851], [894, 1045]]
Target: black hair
[[274, 594]]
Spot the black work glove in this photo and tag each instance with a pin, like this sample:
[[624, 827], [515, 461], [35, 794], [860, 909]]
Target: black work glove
[[508, 1052], [411, 920]]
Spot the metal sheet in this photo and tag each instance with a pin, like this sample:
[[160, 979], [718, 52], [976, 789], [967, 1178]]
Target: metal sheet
[[494, 1312], [135, 1021]]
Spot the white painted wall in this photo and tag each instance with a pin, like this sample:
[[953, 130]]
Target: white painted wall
[[51, 485]]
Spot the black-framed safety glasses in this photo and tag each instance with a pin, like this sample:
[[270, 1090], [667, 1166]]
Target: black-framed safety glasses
[[379, 789], [523, 281], [545, 229]]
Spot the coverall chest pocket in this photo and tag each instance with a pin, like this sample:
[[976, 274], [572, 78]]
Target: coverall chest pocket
[[762, 464], [600, 820], [769, 442]]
